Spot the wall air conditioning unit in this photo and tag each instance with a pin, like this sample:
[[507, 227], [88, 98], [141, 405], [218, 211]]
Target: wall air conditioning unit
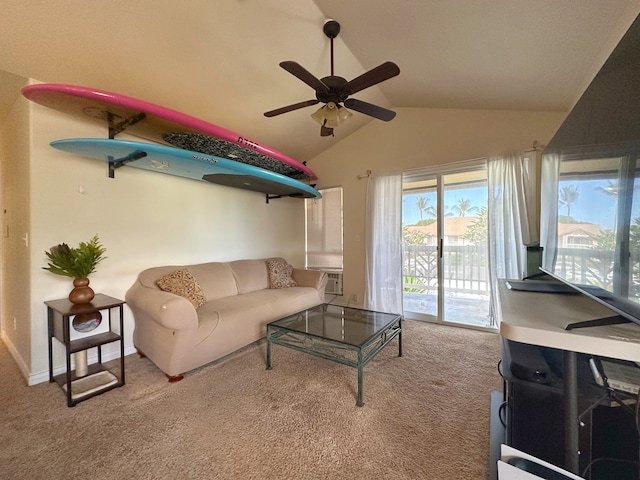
[[334, 285]]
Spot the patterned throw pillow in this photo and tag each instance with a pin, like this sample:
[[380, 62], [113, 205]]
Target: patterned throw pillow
[[280, 274], [182, 283]]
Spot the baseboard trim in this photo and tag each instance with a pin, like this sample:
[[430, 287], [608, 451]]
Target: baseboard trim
[[13, 351]]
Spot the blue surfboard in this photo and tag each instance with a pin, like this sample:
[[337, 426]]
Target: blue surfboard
[[187, 164]]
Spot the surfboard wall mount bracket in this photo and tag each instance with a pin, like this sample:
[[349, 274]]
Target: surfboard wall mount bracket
[[273, 197], [115, 163], [116, 128]]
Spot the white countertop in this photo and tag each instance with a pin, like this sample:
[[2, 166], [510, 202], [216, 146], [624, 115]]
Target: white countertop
[[539, 319]]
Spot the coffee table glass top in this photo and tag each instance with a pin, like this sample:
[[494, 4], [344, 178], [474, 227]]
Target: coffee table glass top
[[351, 326]]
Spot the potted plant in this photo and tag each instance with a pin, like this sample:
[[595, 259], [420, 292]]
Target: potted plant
[[77, 263]]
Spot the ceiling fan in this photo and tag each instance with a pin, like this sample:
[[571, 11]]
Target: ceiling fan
[[334, 90]]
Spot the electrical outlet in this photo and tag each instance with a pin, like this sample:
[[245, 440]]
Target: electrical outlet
[[354, 298], [15, 323]]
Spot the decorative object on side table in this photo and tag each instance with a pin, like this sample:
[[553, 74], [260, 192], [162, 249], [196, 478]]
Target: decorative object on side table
[[77, 263]]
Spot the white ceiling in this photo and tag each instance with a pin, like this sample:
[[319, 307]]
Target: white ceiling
[[218, 60]]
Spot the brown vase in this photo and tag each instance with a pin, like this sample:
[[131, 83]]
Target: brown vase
[[82, 292]]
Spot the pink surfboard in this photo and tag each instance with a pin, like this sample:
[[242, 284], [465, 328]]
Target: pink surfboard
[[162, 125]]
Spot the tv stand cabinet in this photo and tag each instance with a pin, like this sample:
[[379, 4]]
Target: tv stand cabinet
[[534, 420], [539, 319]]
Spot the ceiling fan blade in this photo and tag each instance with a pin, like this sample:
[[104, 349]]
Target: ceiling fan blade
[[326, 131], [370, 109], [303, 74], [290, 108], [372, 77]]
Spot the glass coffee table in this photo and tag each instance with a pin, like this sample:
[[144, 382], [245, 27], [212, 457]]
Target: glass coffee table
[[349, 336]]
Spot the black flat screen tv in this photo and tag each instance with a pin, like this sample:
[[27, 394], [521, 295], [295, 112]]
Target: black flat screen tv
[[593, 196], [623, 310]]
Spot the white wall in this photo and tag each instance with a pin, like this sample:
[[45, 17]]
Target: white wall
[[14, 208], [417, 138], [143, 218]]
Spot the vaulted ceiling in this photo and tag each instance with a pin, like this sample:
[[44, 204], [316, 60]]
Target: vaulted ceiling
[[219, 60]]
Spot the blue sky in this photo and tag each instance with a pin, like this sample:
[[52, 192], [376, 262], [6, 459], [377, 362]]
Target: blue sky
[[594, 205]]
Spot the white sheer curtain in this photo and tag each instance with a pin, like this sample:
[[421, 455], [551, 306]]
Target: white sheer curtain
[[549, 207], [383, 270], [511, 215]]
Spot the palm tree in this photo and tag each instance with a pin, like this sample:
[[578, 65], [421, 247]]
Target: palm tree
[[568, 196], [421, 204], [463, 207], [611, 188]]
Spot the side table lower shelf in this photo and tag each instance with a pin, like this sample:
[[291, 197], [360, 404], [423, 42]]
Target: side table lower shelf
[[98, 380]]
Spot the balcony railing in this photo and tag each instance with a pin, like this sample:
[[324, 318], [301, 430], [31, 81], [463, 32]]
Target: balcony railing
[[596, 267], [465, 268]]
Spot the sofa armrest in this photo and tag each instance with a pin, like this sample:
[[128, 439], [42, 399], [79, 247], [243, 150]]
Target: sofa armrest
[[310, 278], [169, 310]]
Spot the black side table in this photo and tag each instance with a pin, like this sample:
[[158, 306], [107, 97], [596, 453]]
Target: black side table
[[95, 378]]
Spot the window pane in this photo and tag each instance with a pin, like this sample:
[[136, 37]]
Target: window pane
[[587, 212], [324, 230]]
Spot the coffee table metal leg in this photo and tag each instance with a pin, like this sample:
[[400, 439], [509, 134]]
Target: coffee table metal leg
[[268, 351], [400, 338], [359, 402]]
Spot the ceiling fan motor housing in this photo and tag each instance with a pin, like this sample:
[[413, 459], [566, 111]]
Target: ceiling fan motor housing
[[335, 92]]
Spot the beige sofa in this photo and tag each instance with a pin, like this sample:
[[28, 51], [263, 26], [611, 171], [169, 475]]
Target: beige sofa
[[216, 308]]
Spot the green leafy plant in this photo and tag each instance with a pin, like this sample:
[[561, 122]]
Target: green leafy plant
[[75, 262], [413, 285]]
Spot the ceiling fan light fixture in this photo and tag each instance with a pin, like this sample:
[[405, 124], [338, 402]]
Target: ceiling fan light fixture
[[344, 114], [331, 115], [318, 116]]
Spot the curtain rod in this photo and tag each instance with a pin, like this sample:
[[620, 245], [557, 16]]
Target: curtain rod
[[536, 146], [366, 175]]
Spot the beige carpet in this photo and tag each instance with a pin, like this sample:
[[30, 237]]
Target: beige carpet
[[426, 416]]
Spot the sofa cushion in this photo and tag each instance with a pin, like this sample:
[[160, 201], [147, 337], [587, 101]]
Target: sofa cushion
[[249, 308], [280, 274], [181, 282], [215, 278], [250, 275]]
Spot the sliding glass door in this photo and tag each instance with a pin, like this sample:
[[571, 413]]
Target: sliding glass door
[[465, 269], [445, 249], [420, 247]]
